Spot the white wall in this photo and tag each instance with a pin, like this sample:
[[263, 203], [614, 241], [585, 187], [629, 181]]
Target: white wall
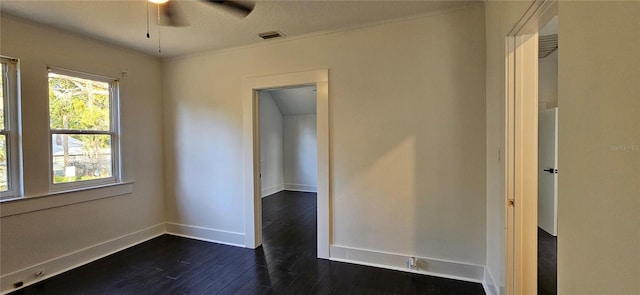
[[271, 145], [407, 141], [301, 153], [548, 81], [599, 191], [32, 234]]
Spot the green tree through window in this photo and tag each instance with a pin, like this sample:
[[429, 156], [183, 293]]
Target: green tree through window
[[81, 128]]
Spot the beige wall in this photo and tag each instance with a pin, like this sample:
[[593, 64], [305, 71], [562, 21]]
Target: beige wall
[[35, 237], [599, 190], [407, 127]]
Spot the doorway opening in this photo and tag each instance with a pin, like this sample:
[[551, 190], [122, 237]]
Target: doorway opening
[[253, 190], [288, 170], [548, 158]]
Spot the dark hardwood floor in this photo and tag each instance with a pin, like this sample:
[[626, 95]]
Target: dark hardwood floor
[[285, 264], [547, 263]]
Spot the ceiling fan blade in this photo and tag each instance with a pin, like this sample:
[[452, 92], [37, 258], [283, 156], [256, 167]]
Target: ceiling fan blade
[[239, 8], [170, 15]]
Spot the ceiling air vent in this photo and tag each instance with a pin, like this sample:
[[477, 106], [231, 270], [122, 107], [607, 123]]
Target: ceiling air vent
[[271, 35], [547, 44]]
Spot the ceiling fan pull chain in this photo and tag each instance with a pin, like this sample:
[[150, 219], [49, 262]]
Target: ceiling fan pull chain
[[159, 48], [148, 36]]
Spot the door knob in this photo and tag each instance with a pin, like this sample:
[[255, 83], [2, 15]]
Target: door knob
[[551, 170]]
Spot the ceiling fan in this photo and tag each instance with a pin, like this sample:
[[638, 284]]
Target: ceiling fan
[[171, 15]]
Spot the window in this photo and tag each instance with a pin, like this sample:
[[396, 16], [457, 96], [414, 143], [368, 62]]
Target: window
[[10, 176], [83, 122]]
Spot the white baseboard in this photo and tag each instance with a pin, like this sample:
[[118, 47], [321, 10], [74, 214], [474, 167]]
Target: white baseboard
[[77, 258], [272, 190], [206, 234], [489, 284], [300, 187], [428, 266]]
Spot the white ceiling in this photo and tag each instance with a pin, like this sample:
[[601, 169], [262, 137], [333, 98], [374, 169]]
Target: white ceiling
[[295, 101], [124, 22]]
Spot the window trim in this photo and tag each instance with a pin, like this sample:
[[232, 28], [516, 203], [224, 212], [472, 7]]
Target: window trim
[[13, 127], [17, 206], [114, 131]]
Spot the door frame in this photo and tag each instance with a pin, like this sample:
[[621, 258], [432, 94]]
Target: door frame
[[251, 151], [521, 148]]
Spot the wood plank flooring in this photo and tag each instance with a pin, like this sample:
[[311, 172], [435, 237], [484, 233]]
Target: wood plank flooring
[[547, 263], [285, 264]]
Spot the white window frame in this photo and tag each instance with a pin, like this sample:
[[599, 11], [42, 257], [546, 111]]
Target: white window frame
[[11, 93], [114, 132]]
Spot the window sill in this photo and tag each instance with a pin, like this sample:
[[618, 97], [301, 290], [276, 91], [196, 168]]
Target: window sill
[[16, 206]]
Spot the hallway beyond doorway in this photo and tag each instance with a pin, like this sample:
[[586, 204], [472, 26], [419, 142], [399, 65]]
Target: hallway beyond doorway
[[547, 263]]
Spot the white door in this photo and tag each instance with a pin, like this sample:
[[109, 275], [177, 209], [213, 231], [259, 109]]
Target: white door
[[548, 170]]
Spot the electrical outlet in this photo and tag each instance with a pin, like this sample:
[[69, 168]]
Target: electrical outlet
[[412, 263]]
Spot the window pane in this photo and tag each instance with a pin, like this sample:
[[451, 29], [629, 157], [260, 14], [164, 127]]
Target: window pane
[[81, 157], [4, 177], [2, 92], [78, 104]]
